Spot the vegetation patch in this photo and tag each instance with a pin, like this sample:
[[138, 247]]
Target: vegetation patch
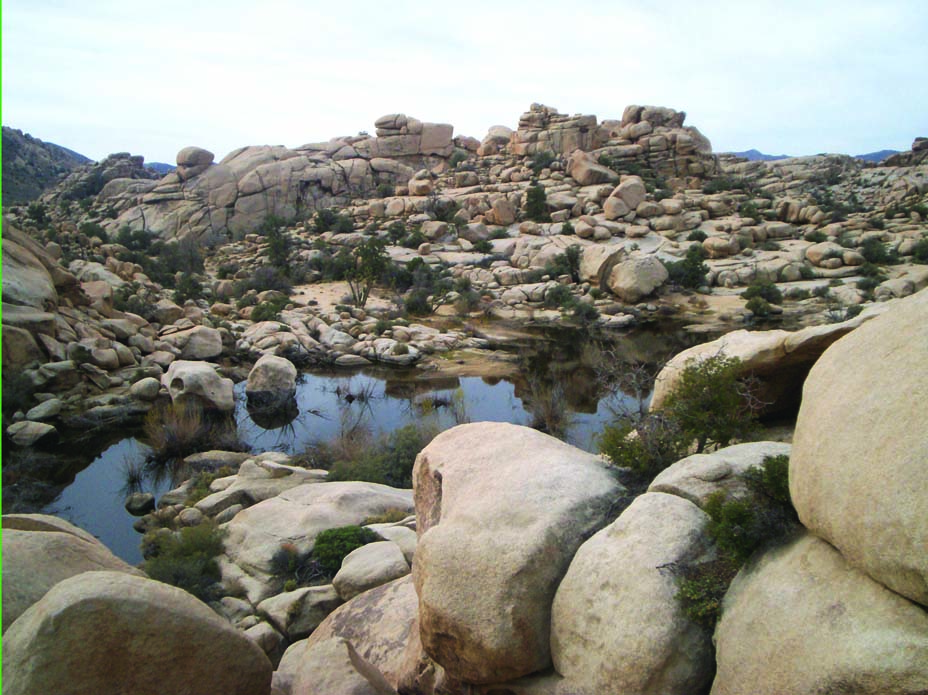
[[186, 559]]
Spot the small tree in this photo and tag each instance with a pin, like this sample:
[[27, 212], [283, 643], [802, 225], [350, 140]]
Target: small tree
[[712, 403], [371, 261], [536, 205]]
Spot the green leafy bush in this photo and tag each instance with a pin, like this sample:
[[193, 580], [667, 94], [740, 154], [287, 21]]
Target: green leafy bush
[[558, 296], [874, 251], [483, 246], [759, 306], [697, 235], [711, 403], [542, 160], [332, 545], [457, 157], [389, 461], [646, 447], [188, 287], [920, 253], [536, 203], [691, 271], [765, 290], [187, 560], [268, 311], [816, 237]]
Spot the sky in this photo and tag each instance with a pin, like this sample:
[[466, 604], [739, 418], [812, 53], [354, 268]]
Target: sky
[[102, 76]]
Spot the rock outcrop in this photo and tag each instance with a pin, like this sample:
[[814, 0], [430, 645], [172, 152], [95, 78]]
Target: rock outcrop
[[616, 625], [858, 477], [785, 614], [109, 632], [500, 512]]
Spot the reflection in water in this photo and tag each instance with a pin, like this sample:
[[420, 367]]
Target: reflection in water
[[273, 416], [567, 386]]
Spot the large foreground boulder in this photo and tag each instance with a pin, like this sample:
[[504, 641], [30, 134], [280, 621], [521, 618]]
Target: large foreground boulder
[[108, 632], [616, 625], [859, 469], [801, 621], [334, 667], [500, 510], [36, 560]]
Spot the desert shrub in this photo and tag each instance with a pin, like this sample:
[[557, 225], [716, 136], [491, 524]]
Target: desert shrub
[[536, 205], [868, 284], [816, 236], [413, 240], [343, 225], [187, 559], [758, 306], [567, 263], [691, 271], [457, 157], [385, 190], [696, 235], [391, 516], [268, 311], [749, 209], [558, 296], [874, 251], [739, 527], [542, 160], [920, 253], [188, 287], [332, 545], [711, 402], [92, 229], [417, 303], [227, 270], [264, 279], [769, 245], [483, 246], [38, 213], [724, 183], [324, 221], [389, 461], [584, 313], [765, 290], [567, 229], [822, 291], [647, 446]]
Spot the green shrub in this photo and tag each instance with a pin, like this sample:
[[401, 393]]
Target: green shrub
[[822, 291], [749, 209], [265, 279], [187, 560], [567, 263], [536, 205], [584, 313], [701, 588], [457, 157], [691, 271], [324, 221], [765, 290], [770, 480], [567, 229], [188, 287], [268, 311], [92, 229], [724, 183], [199, 488], [558, 297], [816, 237], [413, 240], [758, 306], [483, 246], [920, 253], [332, 545], [646, 447], [874, 251], [389, 461], [385, 190], [697, 235], [711, 403], [542, 160]]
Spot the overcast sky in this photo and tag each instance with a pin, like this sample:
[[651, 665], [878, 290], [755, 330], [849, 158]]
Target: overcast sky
[[101, 76]]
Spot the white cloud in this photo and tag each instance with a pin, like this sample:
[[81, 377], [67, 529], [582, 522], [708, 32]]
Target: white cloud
[[787, 76]]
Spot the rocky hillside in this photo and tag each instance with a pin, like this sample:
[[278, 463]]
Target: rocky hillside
[[30, 166]]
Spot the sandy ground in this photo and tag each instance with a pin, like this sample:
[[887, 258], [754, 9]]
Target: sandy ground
[[328, 294]]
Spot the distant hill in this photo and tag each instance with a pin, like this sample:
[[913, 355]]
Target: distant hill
[[876, 156], [31, 166], [161, 167], [756, 156]]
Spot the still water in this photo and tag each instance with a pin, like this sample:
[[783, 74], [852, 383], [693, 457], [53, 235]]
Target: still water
[[558, 388]]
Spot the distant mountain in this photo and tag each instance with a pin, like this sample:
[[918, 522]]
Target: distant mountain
[[161, 167], [755, 156], [876, 156], [31, 166]]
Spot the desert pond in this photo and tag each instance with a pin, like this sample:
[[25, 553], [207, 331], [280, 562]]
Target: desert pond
[[557, 384]]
